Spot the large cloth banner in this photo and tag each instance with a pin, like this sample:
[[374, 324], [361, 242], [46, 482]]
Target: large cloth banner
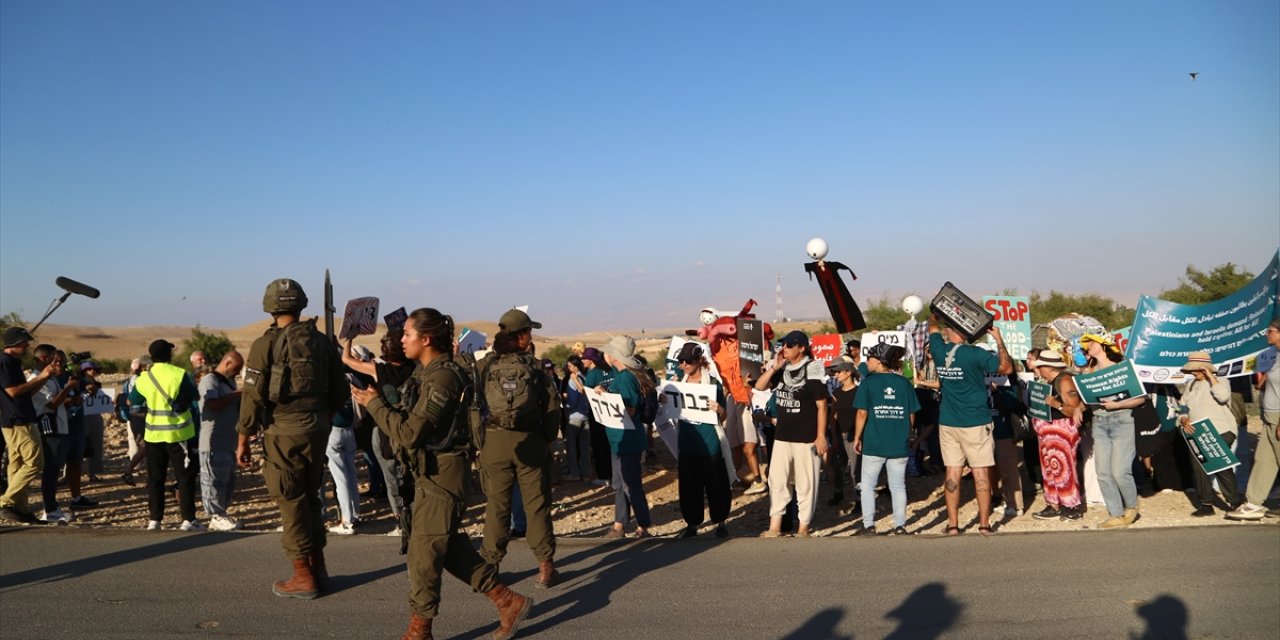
[[608, 410], [1013, 319], [1209, 449], [1232, 330], [1113, 384], [104, 401], [687, 401]]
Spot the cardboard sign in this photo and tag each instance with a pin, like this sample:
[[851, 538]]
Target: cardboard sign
[[750, 347], [687, 401], [1209, 449], [396, 319], [471, 341], [872, 338], [104, 401], [1013, 319], [609, 410], [1038, 400], [360, 318], [1113, 384], [827, 347], [669, 432]]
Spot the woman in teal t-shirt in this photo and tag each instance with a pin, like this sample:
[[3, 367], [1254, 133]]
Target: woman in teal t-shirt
[[701, 470], [627, 445], [886, 404]]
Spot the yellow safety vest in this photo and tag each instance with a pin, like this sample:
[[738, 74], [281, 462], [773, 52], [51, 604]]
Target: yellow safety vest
[[163, 423]]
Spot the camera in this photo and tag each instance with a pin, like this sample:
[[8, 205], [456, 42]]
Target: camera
[[77, 357]]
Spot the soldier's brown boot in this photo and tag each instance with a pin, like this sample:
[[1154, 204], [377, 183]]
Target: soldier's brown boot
[[419, 629], [512, 609], [547, 574], [302, 585], [318, 568]]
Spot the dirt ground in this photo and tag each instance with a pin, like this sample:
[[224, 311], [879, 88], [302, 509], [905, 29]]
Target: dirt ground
[[581, 510]]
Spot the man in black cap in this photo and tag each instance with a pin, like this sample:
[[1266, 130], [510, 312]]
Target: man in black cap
[[18, 423], [169, 394]]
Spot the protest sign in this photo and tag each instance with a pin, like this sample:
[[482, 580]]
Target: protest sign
[[360, 318], [687, 401], [872, 338], [760, 400], [471, 341], [1209, 449], [104, 401], [1013, 319], [1113, 384], [608, 410], [673, 351], [1037, 400], [826, 347], [668, 430], [750, 347], [1121, 338], [1232, 330], [396, 319]]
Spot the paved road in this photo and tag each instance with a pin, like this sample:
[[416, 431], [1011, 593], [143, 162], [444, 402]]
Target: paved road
[[1221, 582]]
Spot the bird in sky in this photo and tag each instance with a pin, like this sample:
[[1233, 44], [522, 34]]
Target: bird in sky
[[1193, 75]]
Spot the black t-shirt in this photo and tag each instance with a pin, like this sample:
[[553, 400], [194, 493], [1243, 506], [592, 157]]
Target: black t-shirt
[[845, 413], [14, 410], [796, 395]]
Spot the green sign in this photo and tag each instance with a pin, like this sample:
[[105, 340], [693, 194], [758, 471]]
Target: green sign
[[1113, 384], [1209, 449], [1038, 400]]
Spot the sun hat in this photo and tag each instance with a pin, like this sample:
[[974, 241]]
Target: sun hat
[[1049, 358], [14, 336], [1199, 361], [593, 354], [620, 348]]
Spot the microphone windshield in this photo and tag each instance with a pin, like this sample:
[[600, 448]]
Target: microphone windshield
[[80, 288]]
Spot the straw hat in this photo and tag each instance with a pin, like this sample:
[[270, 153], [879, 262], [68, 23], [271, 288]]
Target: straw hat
[[1199, 361], [1049, 358]]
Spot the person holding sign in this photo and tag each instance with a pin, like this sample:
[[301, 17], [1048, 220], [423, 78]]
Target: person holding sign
[[966, 431], [1266, 457], [1208, 397], [627, 445], [1058, 437], [1115, 440], [799, 447], [701, 467], [886, 404]]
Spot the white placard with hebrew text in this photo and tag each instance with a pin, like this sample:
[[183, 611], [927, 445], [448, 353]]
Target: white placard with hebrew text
[[608, 410], [688, 401]]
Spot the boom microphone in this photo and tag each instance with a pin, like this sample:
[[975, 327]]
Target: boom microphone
[[71, 286]]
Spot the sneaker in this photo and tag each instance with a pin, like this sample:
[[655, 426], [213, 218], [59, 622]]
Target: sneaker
[[722, 531], [1114, 522], [153, 525], [190, 525], [223, 523], [615, 533], [1012, 512], [897, 531], [599, 483], [863, 530], [82, 502], [1048, 513], [1072, 513], [55, 516], [1204, 511], [343, 529], [1273, 513], [1131, 516], [755, 488], [394, 533], [1247, 511]]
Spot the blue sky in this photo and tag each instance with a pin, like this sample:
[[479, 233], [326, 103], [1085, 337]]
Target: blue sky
[[622, 165]]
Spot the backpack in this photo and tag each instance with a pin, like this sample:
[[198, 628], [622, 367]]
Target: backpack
[[299, 371], [457, 436], [513, 391]]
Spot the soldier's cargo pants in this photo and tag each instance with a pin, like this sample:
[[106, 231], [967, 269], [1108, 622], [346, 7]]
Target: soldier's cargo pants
[[438, 543], [509, 457], [293, 473]]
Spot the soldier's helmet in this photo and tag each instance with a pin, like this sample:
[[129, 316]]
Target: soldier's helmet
[[284, 295]]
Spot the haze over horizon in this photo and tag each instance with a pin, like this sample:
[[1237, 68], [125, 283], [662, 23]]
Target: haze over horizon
[[622, 167]]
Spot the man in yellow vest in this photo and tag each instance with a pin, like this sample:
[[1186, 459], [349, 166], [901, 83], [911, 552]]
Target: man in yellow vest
[[169, 394]]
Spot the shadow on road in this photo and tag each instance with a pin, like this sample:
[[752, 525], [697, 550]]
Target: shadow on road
[[927, 613], [85, 566], [1166, 618], [822, 626]]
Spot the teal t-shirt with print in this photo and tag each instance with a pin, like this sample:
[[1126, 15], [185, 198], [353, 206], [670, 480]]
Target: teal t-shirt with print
[[964, 382], [700, 439], [889, 400], [597, 376], [626, 441]]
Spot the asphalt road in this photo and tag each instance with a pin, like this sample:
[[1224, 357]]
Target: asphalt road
[[1220, 582]]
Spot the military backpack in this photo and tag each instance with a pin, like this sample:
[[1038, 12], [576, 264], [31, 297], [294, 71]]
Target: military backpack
[[514, 392]]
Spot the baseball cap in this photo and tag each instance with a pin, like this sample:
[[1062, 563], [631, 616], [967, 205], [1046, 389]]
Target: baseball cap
[[796, 338], [14, 336], [841, 365], [515, 320], [690, 352], [161, 350]]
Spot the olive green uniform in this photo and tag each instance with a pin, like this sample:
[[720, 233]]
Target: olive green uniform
[[296, 433], [431, 408], [521, 454]]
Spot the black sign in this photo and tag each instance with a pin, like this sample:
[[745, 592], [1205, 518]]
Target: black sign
[[750, 348]]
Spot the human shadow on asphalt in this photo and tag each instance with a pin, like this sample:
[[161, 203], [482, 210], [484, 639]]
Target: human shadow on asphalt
[[84, 566], [1166, 618], [342, 582], [926, 614], [822, 626]]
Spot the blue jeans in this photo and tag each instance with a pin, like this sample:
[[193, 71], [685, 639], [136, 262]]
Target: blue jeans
[[896, 470], [1114, 449], [217, 481], [341, 452], [628, 490]]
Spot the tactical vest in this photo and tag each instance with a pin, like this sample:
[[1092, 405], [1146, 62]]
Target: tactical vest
[[164, 424]]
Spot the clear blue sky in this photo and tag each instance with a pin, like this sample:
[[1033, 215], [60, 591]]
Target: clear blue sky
[[622, 165]]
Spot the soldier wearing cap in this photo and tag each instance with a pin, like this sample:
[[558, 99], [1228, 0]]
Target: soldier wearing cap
[[520, 413], [18, 424], [293, 384]]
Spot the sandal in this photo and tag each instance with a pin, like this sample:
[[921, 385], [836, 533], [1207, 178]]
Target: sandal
[[952, 530], [985, 531]]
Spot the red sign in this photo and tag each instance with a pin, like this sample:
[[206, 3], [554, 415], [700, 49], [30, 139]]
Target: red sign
[[826, 347]]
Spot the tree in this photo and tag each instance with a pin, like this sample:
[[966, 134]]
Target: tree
[[1112, 315], [214, 346], [1198, 287], [884, 314], [559, 354], [11, 319]]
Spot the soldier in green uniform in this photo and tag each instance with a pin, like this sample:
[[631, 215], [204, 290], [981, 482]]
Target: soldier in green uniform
[[429, 429], [521, 417], [293, 384]]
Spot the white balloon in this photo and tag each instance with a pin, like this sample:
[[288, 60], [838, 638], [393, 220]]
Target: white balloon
[[817, 248], [912, 304]]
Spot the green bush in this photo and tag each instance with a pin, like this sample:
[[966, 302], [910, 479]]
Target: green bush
[[558, 354], [214, 346]]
